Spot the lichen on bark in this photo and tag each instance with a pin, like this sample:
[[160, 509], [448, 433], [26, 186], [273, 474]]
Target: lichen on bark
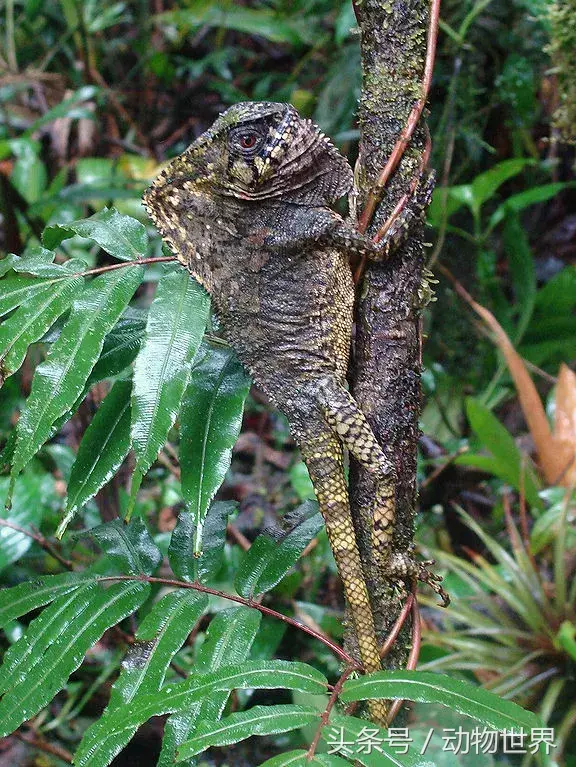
[[385, 378]]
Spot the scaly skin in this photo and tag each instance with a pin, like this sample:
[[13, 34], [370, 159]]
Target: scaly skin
[[245, 209]]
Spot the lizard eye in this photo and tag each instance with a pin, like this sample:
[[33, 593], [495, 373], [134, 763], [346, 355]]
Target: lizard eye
[[248, 140]]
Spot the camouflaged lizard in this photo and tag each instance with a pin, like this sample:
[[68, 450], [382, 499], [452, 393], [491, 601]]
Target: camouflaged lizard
[[246, 210]]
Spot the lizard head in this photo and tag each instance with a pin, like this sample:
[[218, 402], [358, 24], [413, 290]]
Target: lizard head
[[264, 150]]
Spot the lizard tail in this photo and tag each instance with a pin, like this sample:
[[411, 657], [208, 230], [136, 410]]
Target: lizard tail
[[324, 459]]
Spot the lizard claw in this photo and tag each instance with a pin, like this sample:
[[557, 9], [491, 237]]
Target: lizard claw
[[406, 566]]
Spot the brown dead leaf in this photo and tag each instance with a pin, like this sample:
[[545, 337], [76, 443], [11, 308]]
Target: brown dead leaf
[[554, 455], [565, 421]]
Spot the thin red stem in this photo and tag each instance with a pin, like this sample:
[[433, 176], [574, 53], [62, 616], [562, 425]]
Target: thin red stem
[[399, 148], [136, 262], [41, 541], [414, 651], [247, 603], [336, 690]]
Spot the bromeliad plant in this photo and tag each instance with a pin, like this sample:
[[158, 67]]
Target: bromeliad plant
[[158, 366], [513, 623]]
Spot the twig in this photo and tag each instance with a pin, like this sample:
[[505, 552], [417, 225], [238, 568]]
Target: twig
[[414, 651], [240, 600], [336, 690], [44, 745], [124, 264], [397, 627], [43, 542], [400, 205], [375, 194], [239, 537]]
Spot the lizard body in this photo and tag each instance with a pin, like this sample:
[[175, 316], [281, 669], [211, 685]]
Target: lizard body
[[246, 210]]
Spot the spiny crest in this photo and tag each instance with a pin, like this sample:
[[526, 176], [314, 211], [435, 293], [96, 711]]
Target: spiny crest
[[262, 150]]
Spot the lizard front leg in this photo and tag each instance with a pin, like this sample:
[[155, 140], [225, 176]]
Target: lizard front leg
[[323, 456], [349, 423]]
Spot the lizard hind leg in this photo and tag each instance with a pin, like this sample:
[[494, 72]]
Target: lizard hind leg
[[349, 423], [323, 456]]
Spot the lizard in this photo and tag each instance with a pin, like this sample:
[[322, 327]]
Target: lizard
[[247, 210]]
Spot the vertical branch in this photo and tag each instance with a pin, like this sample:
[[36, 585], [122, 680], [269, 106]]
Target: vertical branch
[[387, 365]]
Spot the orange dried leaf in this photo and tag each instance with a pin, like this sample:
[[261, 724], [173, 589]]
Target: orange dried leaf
[[565, 422]]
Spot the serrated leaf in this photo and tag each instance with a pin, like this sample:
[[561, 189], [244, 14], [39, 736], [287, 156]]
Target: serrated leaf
[[426, 687], [259, 720], [210, 423], [17, 289], [129, 546], [59, 652], [184, 561], [104, 739], [176, 323], [121, 345], [60, 379], [121, 236], [22, 599], [29, 323], [161, 634], [39, 262], [359, 733], [104, 447], [269, 559], [228, 640]]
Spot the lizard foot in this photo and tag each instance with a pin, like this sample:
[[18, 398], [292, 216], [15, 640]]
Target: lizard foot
[[406, 566]]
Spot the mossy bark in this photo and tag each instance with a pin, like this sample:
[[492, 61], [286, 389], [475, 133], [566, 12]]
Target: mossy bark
[[387, 364]]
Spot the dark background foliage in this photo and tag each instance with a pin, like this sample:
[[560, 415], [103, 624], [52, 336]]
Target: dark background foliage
[[94, 97]]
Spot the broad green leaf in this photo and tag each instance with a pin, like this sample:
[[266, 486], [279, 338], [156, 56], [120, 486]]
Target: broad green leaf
[[121, 345], [186, 563], [60, 379], [228, 640], [176, 323], [34, 495], [161, 634], [487, 184], [104, 447], [299, 759], [426, 687], [39, 262], [521, 265], [355, 735], [498, 440], [259, 720], [518, 202], [258, 21], [558, 296], [121, 236], [104, 739], [60, 650], [209, 426], [17, 289], [22, 599], [269, 559], [7, 263], [30, 322], [25, 654], [129, 546]]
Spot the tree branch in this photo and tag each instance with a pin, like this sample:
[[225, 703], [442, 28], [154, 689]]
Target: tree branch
[[398, 45]]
